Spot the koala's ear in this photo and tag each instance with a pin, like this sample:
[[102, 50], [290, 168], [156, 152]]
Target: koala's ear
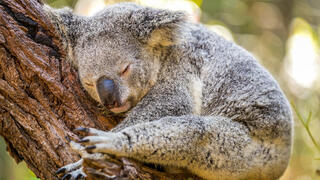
[[156, 27], [68, 23], [69, 27]]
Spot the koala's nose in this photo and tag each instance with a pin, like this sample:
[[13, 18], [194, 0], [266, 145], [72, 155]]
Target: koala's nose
[[107, 92]]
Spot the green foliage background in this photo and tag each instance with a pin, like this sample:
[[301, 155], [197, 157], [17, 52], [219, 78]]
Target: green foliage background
[[264, 28]]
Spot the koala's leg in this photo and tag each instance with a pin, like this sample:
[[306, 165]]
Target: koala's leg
[[211, 147]]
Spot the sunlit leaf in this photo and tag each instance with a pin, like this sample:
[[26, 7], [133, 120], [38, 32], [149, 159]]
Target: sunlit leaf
[[197, 2]]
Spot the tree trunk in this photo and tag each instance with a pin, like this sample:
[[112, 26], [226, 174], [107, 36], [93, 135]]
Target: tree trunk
[[42, 101]]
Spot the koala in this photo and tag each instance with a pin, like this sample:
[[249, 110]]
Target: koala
[[191, 99]]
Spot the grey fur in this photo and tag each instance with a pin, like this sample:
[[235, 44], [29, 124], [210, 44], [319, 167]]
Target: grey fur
[[198, 102]]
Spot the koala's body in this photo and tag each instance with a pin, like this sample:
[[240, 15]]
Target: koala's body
[[192, 99]]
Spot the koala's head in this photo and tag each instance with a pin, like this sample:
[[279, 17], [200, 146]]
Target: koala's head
[[117, 52]]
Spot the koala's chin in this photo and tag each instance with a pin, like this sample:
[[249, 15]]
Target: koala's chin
[[125, 107]]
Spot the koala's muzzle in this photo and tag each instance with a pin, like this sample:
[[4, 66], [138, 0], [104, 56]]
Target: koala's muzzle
[[108, 92]]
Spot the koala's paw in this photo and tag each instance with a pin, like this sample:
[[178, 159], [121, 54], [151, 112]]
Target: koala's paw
[[92, 131], [72, 171], [104, 142]]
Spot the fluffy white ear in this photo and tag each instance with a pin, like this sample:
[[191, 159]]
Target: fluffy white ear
[[69, 26], [156, 27], [66, 21], [162, 37]]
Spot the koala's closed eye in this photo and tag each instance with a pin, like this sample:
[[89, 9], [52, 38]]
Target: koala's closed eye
[[125, 70]]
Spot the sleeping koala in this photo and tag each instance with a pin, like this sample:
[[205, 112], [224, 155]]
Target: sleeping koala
[[192, 99]]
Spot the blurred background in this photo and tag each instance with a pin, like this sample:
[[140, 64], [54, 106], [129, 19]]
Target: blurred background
[[282, 34]]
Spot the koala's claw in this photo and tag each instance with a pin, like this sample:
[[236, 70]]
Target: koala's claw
[[83, 140], [73, 171], [82, 129], [79, 176], [90, 140], [66, 176], [91, 131], [70, 167], [90, 149], [61, 170], [74, 175]]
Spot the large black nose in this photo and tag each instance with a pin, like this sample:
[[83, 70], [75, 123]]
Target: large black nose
[[107, 92]]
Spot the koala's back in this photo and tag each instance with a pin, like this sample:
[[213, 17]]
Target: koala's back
[[236, 86]]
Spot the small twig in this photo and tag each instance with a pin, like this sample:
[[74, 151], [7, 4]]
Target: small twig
[[306, 123]]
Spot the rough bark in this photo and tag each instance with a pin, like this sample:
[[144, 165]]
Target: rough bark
[[41, 99]]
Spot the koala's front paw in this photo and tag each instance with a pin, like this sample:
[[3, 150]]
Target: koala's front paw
[[104, 142], [72, 171]]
